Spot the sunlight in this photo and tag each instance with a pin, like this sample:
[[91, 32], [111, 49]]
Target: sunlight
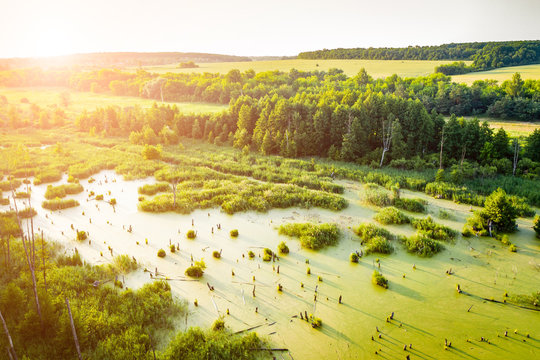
[[53, 40]]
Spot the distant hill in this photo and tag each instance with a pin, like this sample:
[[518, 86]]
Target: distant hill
[[118, 59], [485, 55]]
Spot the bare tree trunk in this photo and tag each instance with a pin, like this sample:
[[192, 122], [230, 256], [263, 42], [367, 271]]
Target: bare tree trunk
[[463, 152], [43, 260], [387, 139], [516, 157], [11, 349], [73, 330], [28, 260], [442, 143]]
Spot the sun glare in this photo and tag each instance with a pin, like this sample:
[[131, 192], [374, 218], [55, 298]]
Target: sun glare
[[53, 41]]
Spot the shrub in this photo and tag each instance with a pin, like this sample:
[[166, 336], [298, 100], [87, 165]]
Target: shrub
[[422, 245], [536, 225], [22, 195], [367, 231], [112, 201], [152, 189], [500, 210], [73, 260], [161, 253], [218, 325], [191, 234], [251, 254], [172, 248], [61, 191], [312, 236], [379, 244], [391, 215], [377, 196], [283, 248], [81, 235], [378, 279], [99, 197], [353, 257], [216, 254], [412, 205], [59, 204], [124, 264], [512, 248], [315, 322], [434, 230], [27, 213], [196, 270], [234, 233], [445, 215]]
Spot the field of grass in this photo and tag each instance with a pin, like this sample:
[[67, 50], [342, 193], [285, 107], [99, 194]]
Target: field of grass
[[79, 101], [501, 74], [375, 68], [513, 128]]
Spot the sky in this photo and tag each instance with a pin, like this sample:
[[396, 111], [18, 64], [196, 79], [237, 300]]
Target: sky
[[30, 28]]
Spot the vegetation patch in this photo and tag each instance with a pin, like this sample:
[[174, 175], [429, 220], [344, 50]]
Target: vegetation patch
[[433, 230], [378, 279], [61, 191], [59, 204], [312, 236], [152, 189], [421, 244], [391, 215]]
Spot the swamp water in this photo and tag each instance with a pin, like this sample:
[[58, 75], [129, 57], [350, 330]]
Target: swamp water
[[427, 309]]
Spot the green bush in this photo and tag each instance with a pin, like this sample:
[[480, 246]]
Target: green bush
[[234, 233], [412, 205], [391, 215], [61, 191], [312, 236], [99, 197], [422, 245], [536, 225], [499, 210], [81, 235], [218, 325], [251, 254], [380, 245], [124, 264], [353, 257], [172, 248], [378, 279], [367, 231], [59, 204], [216, 254], [191, 234], [433, 230], [283, 248], [194, 271], [161, 253], [152, 189], [377, 196], [22, 195]]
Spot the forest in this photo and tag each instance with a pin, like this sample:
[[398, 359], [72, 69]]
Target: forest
[[484, 55]]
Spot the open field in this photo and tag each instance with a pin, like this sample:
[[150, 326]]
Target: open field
[[375, 68], [79, 101], [501, 74], [513, 128]]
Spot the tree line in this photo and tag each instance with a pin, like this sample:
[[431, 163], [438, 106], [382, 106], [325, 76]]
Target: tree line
[[484, 55]]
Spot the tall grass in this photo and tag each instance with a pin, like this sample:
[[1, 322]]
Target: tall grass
[[61, 191], [59, 204], [312, 236]]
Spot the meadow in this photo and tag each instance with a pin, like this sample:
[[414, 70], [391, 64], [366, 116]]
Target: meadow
[[500, 74], [375, 68], [49, 97]]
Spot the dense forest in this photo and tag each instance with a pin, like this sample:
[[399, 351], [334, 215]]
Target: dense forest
[[118, 59], [516, 99], [485, 55]]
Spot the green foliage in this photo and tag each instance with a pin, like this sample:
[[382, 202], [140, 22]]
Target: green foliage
[[69, 260], [500, 210], [99, 197], [368, 231], [412, 205], [195, 271], [353, 257], [124, 264], [81, 235], [283, 248], [59, 204], [421, 244], [47, 175], [312, 236], [151, 152], [191, 234], [391, 215], [216, 254], [374, 195], [161, 253], [61, 191], [218, 324], [172, 248], [152, 189], [378, 279], [234, 233], [378, 244], [195, 344], [536, 225], [251, 254], [433, 230]]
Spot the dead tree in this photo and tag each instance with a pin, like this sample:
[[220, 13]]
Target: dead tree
[[11, 349], [28, 259], [442, 143], [386, 137], [516, 156], [73, 330]]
